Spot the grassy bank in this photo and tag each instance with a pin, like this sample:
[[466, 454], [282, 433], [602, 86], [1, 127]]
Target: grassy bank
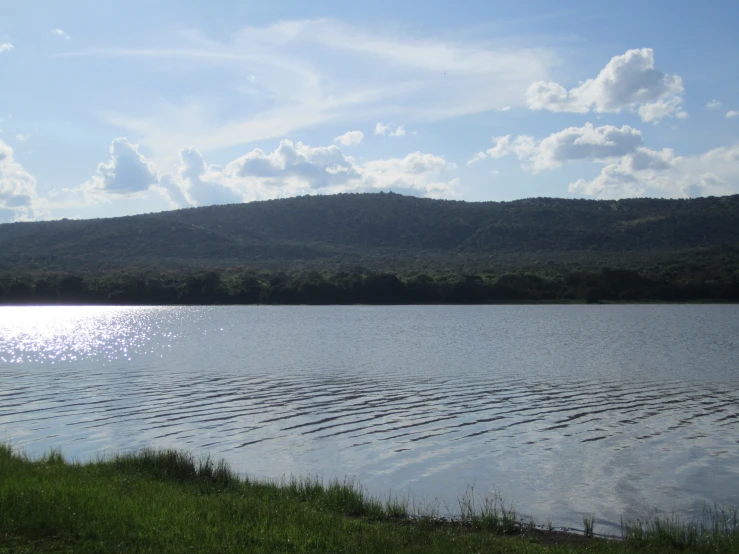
[[172, 502]]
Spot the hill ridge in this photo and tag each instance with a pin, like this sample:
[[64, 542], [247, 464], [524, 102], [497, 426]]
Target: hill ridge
[[383, 229]]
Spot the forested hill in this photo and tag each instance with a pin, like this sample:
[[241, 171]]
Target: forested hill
[[382, 230]]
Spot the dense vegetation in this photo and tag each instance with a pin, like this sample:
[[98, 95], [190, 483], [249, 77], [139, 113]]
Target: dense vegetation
[[380, 231], [364, 287], [382, 249], [168, 501]]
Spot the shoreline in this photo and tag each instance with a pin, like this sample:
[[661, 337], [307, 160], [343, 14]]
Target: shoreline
[[499, 303], [170, 501]]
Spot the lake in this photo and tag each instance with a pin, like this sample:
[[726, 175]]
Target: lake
[[565, 410]]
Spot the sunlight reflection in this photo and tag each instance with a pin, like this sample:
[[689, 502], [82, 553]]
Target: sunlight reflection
[[63, 333]]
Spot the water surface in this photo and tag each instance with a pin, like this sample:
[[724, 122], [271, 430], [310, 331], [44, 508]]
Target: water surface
[[564, 410]]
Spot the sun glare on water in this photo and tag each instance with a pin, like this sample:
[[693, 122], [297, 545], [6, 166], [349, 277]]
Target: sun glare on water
[[51, 334]]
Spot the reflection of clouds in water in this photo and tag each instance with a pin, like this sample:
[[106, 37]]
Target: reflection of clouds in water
[[432, 398]]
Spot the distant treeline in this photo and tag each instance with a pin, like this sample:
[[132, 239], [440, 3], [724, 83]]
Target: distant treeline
[[361, 287]]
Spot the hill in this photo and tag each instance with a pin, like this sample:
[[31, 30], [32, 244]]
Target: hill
[[387, 231]]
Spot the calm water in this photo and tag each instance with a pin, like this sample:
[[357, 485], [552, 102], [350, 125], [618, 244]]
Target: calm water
[[565, 410]]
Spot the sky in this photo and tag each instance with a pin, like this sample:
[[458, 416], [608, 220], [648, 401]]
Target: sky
[[117, 108]]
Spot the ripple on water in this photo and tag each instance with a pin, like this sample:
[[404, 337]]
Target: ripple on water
[[598, 425]]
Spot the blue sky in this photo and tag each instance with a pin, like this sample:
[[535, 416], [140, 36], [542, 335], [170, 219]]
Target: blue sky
[[115, 108]]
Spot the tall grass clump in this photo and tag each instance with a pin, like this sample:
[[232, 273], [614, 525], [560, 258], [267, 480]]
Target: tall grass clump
[[716, 531], [170, 464], [487, 512], [588, 523], [346, 497]]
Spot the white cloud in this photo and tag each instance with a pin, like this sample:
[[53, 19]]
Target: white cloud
[[714, 104], [574, 143], [664, 174], [18, 200], [415, 173], [5, 47], [350, 138], [312, 72], [629, 81], [655, 111], [197, 183], [291, 169], [21, 137], [629, 168], [317, 167], [390, 130], [626, 177], [502, 148], [583, 143], [732, 113], [61, 34], [127, 172]]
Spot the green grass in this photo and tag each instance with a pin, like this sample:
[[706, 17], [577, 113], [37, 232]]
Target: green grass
[[169, 501], [717, 531]]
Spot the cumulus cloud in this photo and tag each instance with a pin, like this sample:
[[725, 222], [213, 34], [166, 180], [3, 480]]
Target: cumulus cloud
[[713, 173], [196, 183], [319, 167], [291, 169], [714, 104], [574, 143], [663, 108], [61, 34], [127, 171], [415, 173], [628, 167], [17, 188], [663, 173], [501, 148], [390, 130], [350, 138], [582, 143], [629, 176], [5, 47], [630, 81], [731, 114]]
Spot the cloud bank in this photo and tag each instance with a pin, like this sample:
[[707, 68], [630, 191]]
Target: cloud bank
[[574, 143], [291, 169], [628, 167]]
